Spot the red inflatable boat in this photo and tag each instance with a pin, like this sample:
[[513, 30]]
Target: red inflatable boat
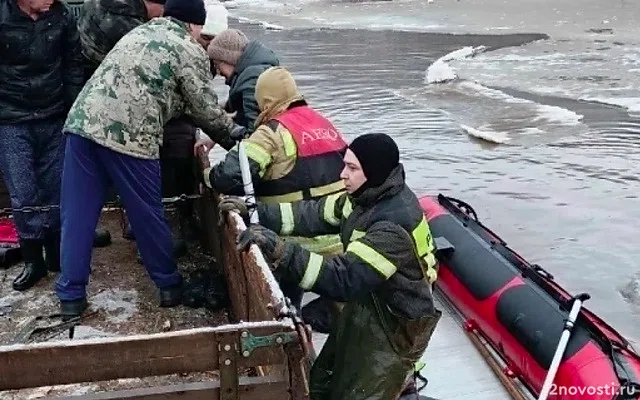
[[521, 312]]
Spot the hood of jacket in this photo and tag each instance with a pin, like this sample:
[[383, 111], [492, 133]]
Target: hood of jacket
[[276, 90], [256, 55]]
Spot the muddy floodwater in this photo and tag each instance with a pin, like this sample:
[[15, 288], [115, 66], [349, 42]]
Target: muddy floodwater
[[559, 179]]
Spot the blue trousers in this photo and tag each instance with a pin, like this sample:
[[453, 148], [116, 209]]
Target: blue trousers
[[88, 170], [31, 156]]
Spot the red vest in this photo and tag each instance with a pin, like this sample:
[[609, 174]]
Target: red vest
[[314, 134], [320, 149]]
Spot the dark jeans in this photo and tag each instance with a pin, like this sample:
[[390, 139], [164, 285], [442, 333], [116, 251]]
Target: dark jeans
[[31, 156], [88, 170]]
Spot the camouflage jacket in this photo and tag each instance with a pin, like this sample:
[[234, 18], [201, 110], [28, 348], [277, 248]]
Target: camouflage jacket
[[104, 22], [154, 73]]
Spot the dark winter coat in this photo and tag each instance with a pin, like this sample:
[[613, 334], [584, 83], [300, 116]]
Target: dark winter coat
[[103, 23], [255, 59], [41, 65]]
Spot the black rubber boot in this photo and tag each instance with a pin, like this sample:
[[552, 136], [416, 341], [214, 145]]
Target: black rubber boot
[[72, 309], [34, 266], [171, 296], [101, 238], [52, 251]]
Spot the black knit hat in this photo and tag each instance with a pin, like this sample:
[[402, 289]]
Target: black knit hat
[[378, 155], [189, 11]]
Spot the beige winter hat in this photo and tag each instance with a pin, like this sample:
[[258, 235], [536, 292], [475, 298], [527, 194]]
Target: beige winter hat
[[217, 18], [228, 46]]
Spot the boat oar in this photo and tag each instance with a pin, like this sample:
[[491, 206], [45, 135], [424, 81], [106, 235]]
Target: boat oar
[[562, 345]]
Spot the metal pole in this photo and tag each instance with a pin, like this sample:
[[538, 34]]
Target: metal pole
[[247, 183], [562, 345]]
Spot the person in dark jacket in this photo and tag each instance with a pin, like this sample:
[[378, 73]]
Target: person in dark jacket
[[241, 62], [385, 274], [103, 22], [41, 73]]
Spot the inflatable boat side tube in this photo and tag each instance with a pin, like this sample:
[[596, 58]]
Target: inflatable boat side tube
[[532, 313]]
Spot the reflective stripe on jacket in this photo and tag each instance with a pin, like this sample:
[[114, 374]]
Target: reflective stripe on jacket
[[381, 231]]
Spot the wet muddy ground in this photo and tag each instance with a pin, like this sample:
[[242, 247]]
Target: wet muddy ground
[[122, 301]]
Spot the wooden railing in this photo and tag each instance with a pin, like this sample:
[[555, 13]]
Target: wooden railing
[[264, 338]]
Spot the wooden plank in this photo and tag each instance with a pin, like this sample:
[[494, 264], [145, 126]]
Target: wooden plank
[[235, 272], [259, 302], [251, 388], [262, 301], [196, 350]]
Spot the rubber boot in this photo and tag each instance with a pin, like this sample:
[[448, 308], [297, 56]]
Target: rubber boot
[[171, 296], [72, 309], [101, 238], [34, 265], [52, 251]]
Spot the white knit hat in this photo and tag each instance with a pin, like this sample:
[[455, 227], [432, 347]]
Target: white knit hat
[[217, 18]]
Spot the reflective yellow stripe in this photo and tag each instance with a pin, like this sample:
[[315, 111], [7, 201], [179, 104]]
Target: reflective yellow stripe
[[295, 196], [205, 174], [290, 149], [430, 259], [424, 246], [346, 209], [321, 244], [286, 217], [373, 258], [432, 275], [312, 271], [356, 235], [326, 189], [422, 237], [329, 213], [257, 154]]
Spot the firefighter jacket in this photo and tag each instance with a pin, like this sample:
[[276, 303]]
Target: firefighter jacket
[[385, 277]]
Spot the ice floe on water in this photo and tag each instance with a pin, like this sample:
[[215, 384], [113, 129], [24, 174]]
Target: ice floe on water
[[441, 71]]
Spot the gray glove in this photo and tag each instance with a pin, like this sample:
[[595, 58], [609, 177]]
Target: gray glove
[[234, 203], [273, 248]]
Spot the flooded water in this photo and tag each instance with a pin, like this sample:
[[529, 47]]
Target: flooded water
[[561, 190]]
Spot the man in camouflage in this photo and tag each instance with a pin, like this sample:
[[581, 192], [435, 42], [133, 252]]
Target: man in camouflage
[[101, 25], [157, 71]]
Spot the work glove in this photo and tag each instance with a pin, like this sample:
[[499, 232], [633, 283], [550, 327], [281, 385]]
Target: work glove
[[275, 250], [234, 203]]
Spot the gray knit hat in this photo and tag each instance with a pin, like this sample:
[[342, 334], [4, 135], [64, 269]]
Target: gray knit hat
[[228, 46]]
